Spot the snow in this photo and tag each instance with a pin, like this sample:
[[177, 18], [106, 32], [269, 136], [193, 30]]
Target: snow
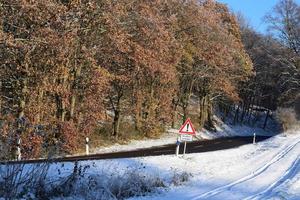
[[266, 170], [168, 138], [230, 130], [256, 171], [269, 170]]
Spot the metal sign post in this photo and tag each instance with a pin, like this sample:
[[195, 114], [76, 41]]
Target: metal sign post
[[184, 149]]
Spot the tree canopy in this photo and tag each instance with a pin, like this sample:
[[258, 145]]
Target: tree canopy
[[69, 68]]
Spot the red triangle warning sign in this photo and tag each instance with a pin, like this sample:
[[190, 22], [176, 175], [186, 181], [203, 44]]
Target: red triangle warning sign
[[187, 128]]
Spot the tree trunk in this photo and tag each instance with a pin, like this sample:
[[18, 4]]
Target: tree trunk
[[136, 101], [204, 110], [209, 120], [185, 100], [251, 109], [117, 115], [40, 101], [63, 112], [248, 106], [236, 116], [201, 111], [22, 102], [72, 106], [60, 104], [266, 120], [116, 124], [185, 113], [138, 109], [243, 112], [138, 120], [150, 106], [185, 105], [227, 111], [73, 97], [0, 98], [174, 113]]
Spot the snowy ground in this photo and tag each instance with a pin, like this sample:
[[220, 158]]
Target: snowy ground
[[168, 138], [268, 170]]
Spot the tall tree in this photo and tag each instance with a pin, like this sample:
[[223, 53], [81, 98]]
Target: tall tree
[[284, 20], [210, 66], [51, 78]]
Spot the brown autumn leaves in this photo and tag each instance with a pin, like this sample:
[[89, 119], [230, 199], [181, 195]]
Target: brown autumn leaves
[[69, 67]]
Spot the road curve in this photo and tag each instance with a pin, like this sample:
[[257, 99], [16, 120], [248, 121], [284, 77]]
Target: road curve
[[192, 147], [252, 176]]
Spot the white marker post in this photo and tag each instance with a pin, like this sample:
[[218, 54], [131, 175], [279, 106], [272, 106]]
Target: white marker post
[[87, 149], [177, 146], [19, 156], [254, 138]]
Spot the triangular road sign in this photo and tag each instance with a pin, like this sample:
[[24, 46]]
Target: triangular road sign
[[187, 128]]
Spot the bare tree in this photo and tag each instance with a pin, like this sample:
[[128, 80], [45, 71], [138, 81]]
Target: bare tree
[[284, 22]]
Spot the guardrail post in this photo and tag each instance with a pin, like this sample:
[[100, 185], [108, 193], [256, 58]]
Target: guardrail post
[[87, 149]]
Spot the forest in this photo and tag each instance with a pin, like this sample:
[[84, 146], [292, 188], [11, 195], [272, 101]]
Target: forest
[[71, 69]]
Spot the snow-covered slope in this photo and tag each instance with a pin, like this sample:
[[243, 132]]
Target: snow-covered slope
[[269, 170]]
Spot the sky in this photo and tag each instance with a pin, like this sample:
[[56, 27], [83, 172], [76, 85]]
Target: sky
[[253, 10]]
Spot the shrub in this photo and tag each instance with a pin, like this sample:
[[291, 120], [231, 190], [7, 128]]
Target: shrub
[[36, 182], [18, 180], [288, 118], [180, 178]]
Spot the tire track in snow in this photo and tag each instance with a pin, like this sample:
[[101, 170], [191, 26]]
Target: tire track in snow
[[259, 171], [291, 172]]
